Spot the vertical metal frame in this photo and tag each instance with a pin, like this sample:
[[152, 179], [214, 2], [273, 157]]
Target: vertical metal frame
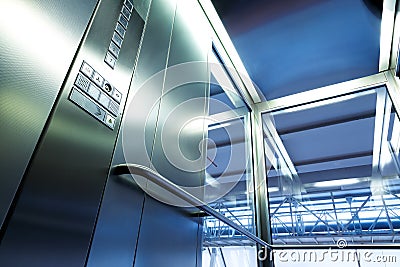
[[249, 167], [252, 121], [396, 38], [378, 131], [393, 88], [263, 226], [387, 33], [389, 43]]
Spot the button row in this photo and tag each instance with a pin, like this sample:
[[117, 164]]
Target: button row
[[92, 108], [119, 34], [98, 80], [96, 95]]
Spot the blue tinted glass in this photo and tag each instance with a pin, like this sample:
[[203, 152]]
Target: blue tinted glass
[[345, 182], [292, 46]]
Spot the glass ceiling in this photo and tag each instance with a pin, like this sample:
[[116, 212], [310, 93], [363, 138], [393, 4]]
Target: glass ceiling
[[290, 46], [334, 172], [346, 183]]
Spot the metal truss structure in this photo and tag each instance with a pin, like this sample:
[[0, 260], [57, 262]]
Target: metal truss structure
[[355, 215], [217, 234], [323, 218], [358, 214], [366, 213]]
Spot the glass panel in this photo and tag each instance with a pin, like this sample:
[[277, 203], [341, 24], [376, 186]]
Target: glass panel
[[231, 190], [291, 46], [224, 94], [333, 171], [224, 246], [229, 187]]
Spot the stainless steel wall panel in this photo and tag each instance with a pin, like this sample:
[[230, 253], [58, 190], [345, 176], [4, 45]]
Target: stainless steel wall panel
[[177, 146], [137, 132], [142, 7], [39, 41], [168, 237], [114, 242], [56, 210], [65, 213]]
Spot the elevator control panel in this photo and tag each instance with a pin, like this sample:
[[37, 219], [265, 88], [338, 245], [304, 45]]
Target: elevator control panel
[[93, 93], [119, 34]]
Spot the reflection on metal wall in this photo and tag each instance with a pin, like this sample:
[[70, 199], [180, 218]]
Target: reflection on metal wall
[[168, 237], [183, 105], [133, 228], [36, 50], [173, 235], [128, 46]]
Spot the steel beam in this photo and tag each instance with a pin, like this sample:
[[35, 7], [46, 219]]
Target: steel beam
[[324, 93], [387, 29]]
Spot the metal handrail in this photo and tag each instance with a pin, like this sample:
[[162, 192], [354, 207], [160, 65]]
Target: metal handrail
[[158, 179]]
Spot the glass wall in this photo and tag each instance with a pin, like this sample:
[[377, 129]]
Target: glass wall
[[229, 181], [223, 246], [228, 173], [333, 173]]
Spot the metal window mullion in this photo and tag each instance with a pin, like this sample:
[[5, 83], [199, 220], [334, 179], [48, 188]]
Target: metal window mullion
[[263, 226], [396, 39], [229, 54], [249, 167], [393, 88], [387, 30], [323, 93], [378, 132], [268, 125]]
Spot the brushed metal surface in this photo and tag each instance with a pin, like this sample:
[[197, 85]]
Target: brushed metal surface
[[184, 98], [115, 237], [114, 240], [197, 204], [55, 213], [164, 230], [38, 43], [137, 131], [168, 237]]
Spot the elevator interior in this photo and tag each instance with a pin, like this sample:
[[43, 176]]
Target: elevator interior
[[86, 87]]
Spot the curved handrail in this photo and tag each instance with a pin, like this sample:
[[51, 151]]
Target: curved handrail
[[175, 189]]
